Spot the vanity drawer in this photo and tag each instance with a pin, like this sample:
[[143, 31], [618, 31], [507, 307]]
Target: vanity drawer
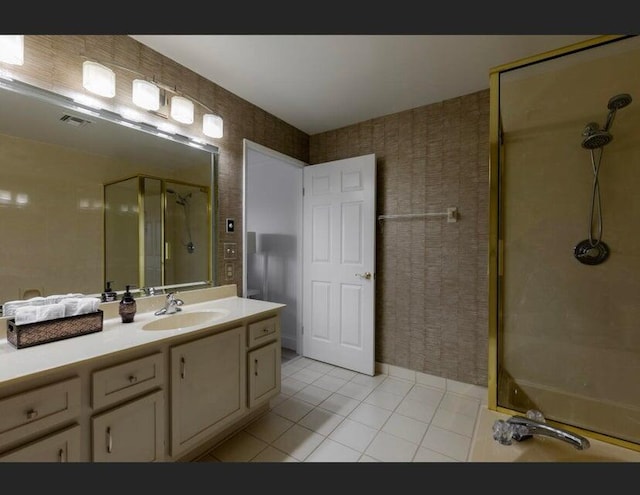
[[120, 382], [263, 331], [29, 412]]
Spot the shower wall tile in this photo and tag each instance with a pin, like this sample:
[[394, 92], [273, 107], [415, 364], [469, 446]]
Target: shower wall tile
[[431, 291]]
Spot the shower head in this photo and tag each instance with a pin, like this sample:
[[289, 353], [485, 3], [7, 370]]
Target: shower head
[[619, 101], [594, 137], [616, 103]]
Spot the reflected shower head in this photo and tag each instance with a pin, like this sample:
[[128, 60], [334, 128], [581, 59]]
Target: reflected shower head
[[616, 103]]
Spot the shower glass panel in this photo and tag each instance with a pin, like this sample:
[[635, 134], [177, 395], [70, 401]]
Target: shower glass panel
[[186, 233], [158, 232], [566, 307], [121, 230]]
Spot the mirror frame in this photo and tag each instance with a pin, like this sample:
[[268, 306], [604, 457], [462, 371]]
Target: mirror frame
[[25, 89]]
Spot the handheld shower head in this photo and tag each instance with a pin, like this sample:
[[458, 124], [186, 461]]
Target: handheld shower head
[[594, 137], [616, 103]]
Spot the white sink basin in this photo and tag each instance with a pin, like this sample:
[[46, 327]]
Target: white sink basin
[[186, 319]]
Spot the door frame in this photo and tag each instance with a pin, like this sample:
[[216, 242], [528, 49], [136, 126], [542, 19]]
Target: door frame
[[250, 145]]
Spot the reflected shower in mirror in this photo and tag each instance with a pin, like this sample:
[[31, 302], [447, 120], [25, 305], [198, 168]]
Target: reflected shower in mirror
[[56, 156]]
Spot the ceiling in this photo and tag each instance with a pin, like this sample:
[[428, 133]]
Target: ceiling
[[321, 82]]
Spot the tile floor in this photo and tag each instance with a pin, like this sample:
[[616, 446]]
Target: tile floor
[[329, 414]]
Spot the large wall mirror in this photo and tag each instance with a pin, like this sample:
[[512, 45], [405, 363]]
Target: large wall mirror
[[87, 196]]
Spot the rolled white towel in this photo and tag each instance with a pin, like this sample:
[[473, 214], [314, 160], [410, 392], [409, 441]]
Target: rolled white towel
[[70, 305], [50, 311], [37, 301], [26, 314], [88, 305], [9, 308], [54, 298]]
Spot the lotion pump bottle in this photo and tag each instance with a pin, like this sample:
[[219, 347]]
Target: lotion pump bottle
[[127, 307], [109, 294]]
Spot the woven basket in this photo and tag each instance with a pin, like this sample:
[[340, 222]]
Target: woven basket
[[41, 332]]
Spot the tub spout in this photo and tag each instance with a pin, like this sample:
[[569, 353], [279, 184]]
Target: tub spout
[[520, 428]]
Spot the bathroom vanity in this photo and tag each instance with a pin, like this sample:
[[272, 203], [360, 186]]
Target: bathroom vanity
[[143, 391]]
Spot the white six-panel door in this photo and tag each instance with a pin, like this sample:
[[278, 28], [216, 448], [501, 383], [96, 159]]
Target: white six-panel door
[[339, 263]]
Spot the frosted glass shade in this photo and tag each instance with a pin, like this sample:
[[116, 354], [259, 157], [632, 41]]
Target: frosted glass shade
[[182, 109], [98, 79], [12, 49], [212, 125], [146, 95]]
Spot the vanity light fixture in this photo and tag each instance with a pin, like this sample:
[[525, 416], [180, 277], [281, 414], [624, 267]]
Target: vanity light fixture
[[98, 79], [212, 125], [146, 95], [12, 49], [182, 109]]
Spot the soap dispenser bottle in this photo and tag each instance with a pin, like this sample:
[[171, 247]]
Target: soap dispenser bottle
[[127, 307], [109, 294]]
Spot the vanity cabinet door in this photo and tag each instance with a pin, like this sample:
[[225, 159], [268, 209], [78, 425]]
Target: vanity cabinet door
[[208, 387], [264, 373], [62, 446], [133, 432]]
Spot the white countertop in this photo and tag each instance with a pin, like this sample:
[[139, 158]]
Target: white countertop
[[115, 337]]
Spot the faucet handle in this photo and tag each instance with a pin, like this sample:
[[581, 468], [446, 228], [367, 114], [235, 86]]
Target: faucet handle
[[535, 415]]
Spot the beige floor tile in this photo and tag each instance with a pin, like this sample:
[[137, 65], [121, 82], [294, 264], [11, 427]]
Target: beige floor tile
[[298, 442], [427, 455], [447, 443], [416, 410], [271, 454], [383, 399], [291, 386], [241, 447], [293, 409], [429, 395], [306, 375], [389, 448], [353, 434], [331, 451], [355, 390], [395, 386], [339, 404], [312, 394], [456, 422], [404, 427], [342, 373], [370, 415], [269, 427], [321, 421], [460, 404], [331, 383]]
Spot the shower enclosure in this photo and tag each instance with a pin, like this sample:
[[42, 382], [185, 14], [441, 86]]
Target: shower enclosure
[[157, 232], [564, 245]]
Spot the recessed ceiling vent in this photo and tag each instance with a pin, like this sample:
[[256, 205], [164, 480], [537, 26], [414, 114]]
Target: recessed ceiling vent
[[74, 121]]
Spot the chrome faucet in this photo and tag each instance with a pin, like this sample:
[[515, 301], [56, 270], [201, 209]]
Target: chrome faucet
[[520, 428], [171, 305]]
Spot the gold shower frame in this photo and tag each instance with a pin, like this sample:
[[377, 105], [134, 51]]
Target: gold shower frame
[[495, 258]]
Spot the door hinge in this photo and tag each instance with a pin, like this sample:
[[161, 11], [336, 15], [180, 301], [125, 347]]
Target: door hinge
[[303, 191]]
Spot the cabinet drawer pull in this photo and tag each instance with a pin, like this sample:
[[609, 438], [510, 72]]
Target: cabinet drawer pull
[[32, 413], [109, 440], [133, 379], [265, 330], [255, 372], [182, 368], [61, 455]]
